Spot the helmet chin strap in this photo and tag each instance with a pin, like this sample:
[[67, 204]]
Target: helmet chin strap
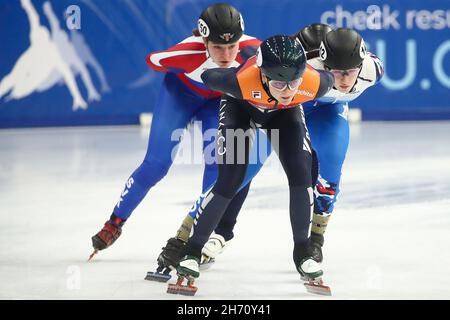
[[266, 88], [353, 87], [208, 55]]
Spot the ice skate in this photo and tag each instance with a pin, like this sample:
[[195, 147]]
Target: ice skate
[[167, 260], [188, 269], [309, 268], [162, 274], [311, 272], [317, 286], [105, 237], [215, 246]]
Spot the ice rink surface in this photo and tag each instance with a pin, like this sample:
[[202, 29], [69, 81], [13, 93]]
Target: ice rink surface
[[388, 239]]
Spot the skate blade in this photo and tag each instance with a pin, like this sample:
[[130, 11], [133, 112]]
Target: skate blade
[[93, 254], [181, 289], [205, 265], [158, 276], [317, 287]]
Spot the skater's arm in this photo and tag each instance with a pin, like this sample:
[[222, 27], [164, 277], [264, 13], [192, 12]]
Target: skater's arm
[[326, 83], [224, 80], [184, 57], [247, 48], [246, 53], [375, 68]]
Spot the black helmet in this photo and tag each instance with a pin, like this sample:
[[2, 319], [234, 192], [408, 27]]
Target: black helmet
[[281, 58], [311, 36], [221, 23], [342, 49]]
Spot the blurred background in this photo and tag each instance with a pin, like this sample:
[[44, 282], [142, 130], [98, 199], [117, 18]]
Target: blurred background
[[82, 62]]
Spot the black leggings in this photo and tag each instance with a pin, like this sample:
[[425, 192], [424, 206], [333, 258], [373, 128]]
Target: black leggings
[[229, 219], [288, 134]]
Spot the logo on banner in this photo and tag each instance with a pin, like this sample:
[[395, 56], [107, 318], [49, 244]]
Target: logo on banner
[[65, 58]]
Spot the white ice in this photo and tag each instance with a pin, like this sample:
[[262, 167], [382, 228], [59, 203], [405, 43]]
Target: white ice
[[388, 239]]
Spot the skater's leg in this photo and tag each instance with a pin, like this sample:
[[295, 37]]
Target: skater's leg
[[172, 111], [174, 107], [259, 153], [233, 144], [209, 117], [294, 152], [229, 218], [329, 132]]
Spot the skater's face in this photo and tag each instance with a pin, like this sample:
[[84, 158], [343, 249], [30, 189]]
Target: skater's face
[[223, 54], [344, 80], [283, 92]]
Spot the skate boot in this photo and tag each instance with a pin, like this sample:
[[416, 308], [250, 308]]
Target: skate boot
[[188, 269], [215, 246], [167, 260], [110, 232], [171, 253], [311, 272], [309, 269], [317, 241]]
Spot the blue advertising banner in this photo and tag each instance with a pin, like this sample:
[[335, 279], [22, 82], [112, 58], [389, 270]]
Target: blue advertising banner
[[82, 62]]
